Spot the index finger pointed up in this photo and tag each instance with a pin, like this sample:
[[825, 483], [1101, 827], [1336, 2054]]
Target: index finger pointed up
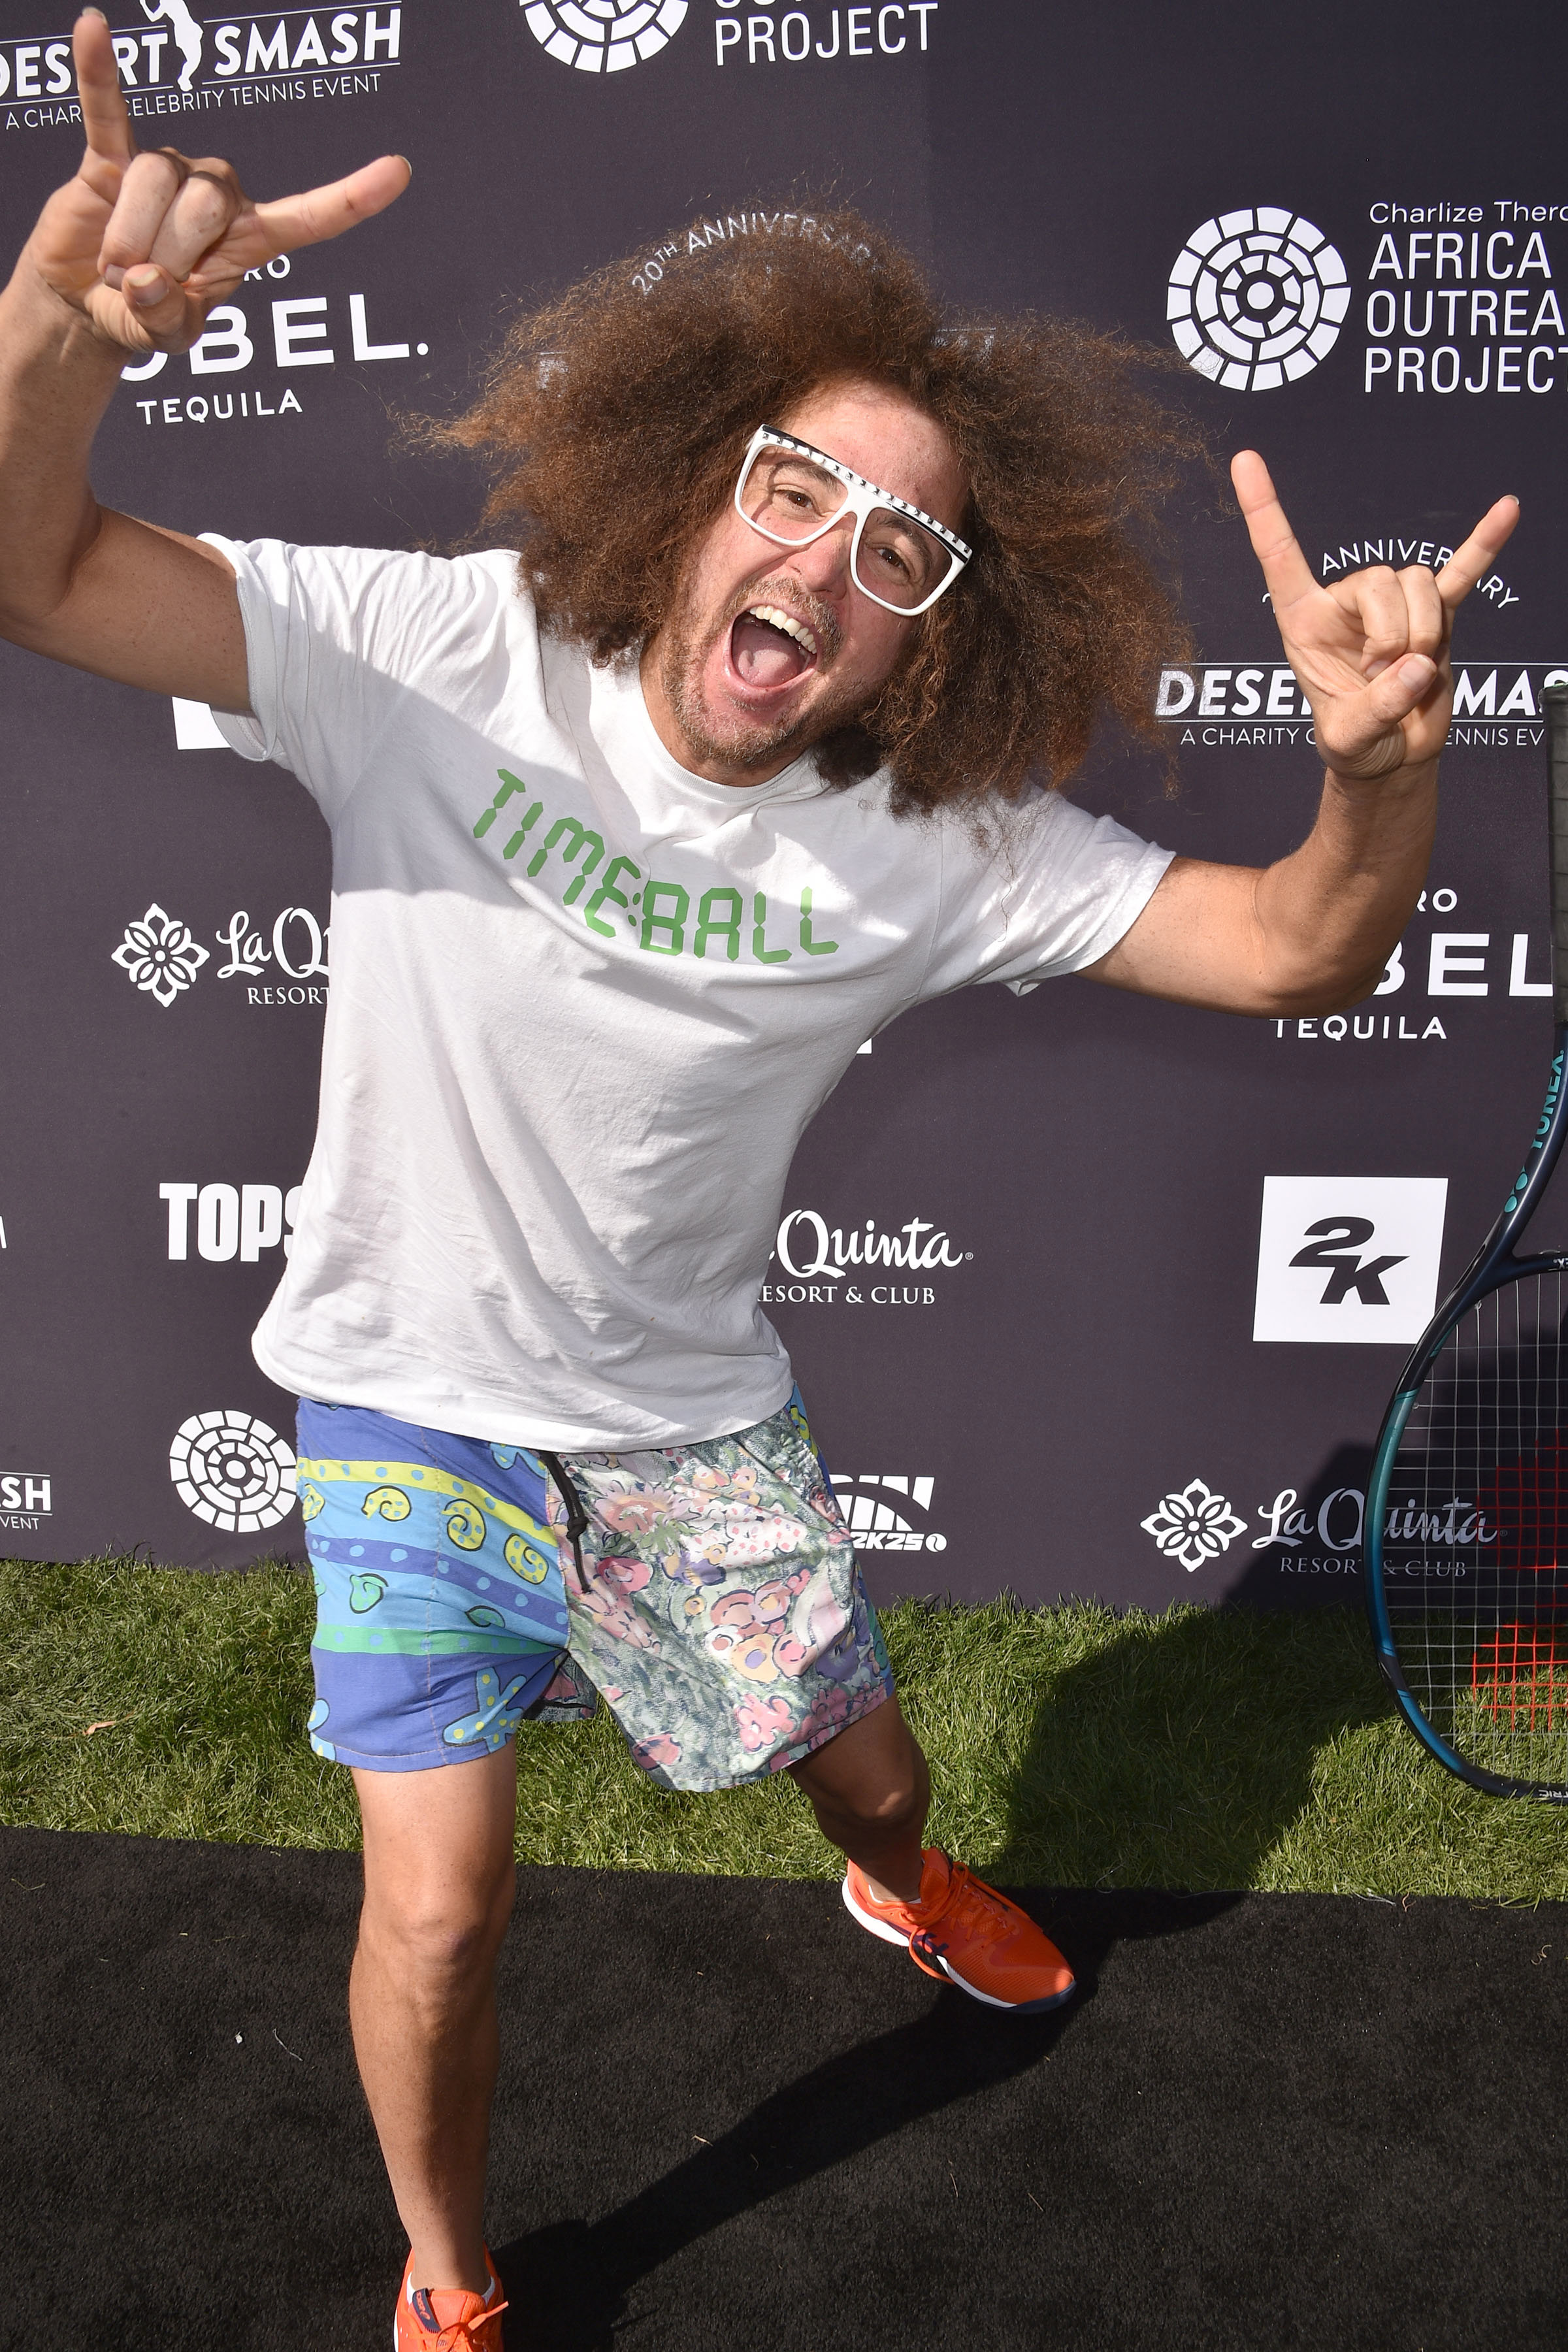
[[1285, 568], [1474, 557], [326, 212], [104, 118]]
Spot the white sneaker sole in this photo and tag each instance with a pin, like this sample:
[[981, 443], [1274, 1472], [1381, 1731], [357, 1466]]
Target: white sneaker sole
[[868, 1919]]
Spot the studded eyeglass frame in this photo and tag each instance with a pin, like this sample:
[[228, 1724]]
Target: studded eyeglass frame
[[862, 497]]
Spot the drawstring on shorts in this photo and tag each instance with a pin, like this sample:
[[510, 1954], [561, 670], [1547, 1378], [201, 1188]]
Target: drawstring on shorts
[[576, 1516]]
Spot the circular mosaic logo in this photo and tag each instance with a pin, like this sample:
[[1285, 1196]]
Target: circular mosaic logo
[[1257, 299], [603, 36], [232, 1471]]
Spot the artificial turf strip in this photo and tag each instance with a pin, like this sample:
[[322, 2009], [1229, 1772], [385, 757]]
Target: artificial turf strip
[[728, 2119], [1069, 1747]]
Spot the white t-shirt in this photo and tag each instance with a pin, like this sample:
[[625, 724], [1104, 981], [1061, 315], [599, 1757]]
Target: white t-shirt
[[582, 1005]]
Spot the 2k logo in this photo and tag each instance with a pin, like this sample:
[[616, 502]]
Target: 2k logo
[[1339, 1249], [1348, 1259]]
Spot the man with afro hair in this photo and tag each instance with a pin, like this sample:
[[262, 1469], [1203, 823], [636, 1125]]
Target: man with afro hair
[[742, 739]]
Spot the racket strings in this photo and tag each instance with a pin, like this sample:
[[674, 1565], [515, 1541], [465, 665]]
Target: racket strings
[[1475, 1528], [1522, 1672]]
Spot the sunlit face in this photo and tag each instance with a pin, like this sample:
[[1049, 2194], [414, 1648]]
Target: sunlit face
[[769, 648]]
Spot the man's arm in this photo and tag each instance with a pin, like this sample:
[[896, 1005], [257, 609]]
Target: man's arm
[[77, 580], [128, 258], [1314, 933]]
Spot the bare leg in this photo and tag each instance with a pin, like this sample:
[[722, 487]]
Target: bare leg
[[871, 1791], [438, 1882]]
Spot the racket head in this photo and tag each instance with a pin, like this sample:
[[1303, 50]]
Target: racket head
[[1467, 1531], [1466, 1542]]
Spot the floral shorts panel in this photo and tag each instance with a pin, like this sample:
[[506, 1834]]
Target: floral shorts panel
[[441, 1615], [723, 1616]]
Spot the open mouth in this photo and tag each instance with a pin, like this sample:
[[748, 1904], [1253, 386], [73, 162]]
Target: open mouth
[[770, 649]]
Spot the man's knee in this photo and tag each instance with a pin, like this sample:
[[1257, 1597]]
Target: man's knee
[[872, 1777], [888, 1803], [438, 1935]]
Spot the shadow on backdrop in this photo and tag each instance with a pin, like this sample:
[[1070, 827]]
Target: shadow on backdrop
[[1318, 1561]]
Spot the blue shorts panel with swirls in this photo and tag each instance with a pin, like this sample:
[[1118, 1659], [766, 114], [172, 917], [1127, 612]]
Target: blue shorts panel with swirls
[[441, 1619]]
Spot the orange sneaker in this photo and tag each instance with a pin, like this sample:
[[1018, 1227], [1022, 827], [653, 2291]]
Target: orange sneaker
[[447, 2319], [963, 1931]]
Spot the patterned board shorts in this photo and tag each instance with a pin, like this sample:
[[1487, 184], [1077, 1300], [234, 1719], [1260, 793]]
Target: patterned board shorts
[[721, 1611]]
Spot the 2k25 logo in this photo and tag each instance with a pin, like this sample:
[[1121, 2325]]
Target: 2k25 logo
[[1349, 1257], [894, 1519]]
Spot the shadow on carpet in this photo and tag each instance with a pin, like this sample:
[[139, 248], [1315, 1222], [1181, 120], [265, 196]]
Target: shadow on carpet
[[728, 2119]]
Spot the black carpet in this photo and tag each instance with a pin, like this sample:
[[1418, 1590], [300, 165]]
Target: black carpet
[[730, 2122]]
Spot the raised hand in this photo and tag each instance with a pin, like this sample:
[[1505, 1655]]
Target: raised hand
[[1370, 653], [142, 245]]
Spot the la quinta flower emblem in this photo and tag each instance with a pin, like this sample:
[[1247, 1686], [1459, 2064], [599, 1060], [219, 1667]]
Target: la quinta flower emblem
[[160, 954], [1194, 1525]]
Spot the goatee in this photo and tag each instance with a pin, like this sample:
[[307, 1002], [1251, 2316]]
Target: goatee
[[682, 657]]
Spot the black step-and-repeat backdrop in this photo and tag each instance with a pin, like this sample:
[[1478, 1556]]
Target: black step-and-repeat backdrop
[[1086, 1295]]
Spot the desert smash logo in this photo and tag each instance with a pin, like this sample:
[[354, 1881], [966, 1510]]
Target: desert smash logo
[[174, 62], [25, 1498]]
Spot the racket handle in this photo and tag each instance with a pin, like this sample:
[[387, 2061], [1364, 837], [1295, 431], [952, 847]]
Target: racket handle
[[1554, 707]]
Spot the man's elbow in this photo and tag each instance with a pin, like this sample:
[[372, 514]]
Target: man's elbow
[[1314, 994]]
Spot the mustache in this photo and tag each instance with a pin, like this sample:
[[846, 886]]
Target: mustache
[[798, 603]]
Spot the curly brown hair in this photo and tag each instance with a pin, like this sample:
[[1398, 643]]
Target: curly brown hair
[[614, 418]]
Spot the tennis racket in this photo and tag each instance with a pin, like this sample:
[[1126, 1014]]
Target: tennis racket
[[1467, 1528]]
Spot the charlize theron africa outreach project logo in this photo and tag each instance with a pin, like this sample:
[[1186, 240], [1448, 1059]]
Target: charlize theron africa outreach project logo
[[603, 36], [232, 1470], [1257, 299]]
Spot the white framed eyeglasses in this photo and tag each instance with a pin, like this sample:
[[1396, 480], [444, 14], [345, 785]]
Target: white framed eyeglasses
[[900, 556]]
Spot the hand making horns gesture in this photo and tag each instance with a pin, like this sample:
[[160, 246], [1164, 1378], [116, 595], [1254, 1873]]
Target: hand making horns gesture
[[1370, 653], [143, 243]]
